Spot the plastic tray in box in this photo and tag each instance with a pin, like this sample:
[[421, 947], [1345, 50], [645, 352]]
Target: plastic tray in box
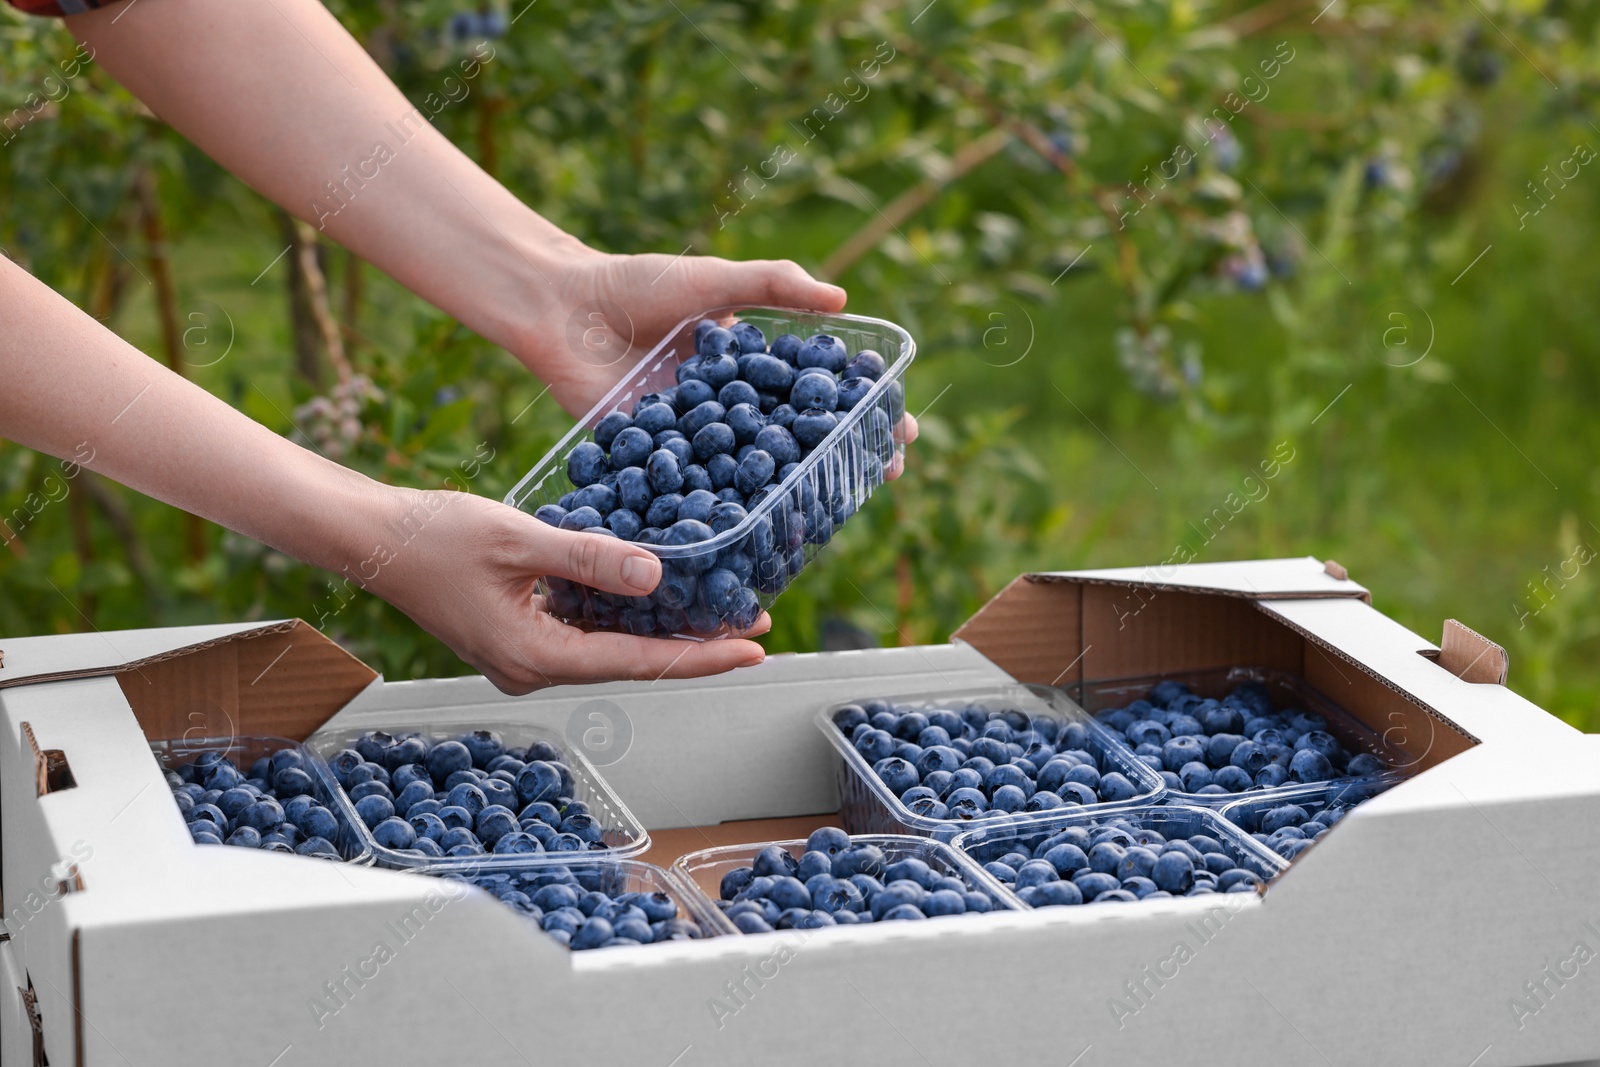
[[1261, 816], [612, 877], [622, 834], [244, 751], [704, 869], [870, 806], [781, 534], [987, 842], [1286, 691]]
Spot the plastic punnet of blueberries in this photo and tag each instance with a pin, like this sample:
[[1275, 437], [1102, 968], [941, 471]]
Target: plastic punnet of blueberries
[[1293, 824], [274, 807], [467, 796], [840, 882], [574, 906], [1117, 860], [981, 759], [726, 449], [1213, 747]]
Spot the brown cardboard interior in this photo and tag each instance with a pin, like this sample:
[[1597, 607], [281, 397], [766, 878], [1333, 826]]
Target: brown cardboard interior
[[282, 681], [1055, 630]]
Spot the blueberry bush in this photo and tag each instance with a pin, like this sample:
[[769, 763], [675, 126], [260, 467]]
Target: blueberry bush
[[1150, 251]]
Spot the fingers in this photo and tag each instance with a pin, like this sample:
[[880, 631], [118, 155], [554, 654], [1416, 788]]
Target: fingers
[[595, 560], [777, 282], [602, 657]]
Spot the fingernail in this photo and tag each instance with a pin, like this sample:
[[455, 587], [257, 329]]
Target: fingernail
[[753, 659], [641, 573]]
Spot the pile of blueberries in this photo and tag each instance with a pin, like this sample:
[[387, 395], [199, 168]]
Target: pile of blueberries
[[574, 906], [469, 796], [697, 459], [1214, 747], [839, 882], [971, 761], [274, 808], [1290, 828], [1117, 859]]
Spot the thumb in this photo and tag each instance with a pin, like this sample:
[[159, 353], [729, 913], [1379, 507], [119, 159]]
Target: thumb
[[597, 559], [777, 282]]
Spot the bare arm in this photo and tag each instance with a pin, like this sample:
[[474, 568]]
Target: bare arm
[[280, 94], [462, 566]]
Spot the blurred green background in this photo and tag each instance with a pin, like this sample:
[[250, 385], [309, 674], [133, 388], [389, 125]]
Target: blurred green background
[[1144, 247]]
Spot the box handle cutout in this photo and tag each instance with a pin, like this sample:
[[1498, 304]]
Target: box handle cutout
[[51, 771], [1335, 570], [1470, 656]]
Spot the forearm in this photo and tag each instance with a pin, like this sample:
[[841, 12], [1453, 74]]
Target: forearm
[[76, 391], [283, 97]]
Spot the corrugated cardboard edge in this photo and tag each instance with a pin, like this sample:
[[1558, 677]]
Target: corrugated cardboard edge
[[1472, 657], [282, 679]]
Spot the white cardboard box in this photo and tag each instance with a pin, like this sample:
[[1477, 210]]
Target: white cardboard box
[[1408, 936]]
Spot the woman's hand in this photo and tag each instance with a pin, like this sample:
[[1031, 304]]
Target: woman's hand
[[465, 571], [607, 311]]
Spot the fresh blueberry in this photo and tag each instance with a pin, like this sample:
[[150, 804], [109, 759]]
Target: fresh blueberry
[[663, 511], [825, 351], [715, 341], [664, 472], [853, 391], [630, 448], [605, 432], [716, 438], [865, 364], [812, 426], [818, 391], [750, 337]]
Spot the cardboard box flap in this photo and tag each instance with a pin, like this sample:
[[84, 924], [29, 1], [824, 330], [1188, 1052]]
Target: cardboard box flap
[[1263, 579], [280, 678]]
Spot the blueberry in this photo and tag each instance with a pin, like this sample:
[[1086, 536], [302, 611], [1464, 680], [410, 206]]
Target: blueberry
[[539, 781], [630, 448], [786, 346], [750, 337], [716, 438], [726, 516], [664, 472], [1173, 872], [599, 497], [865, 364], [447, 757], [656, 417], [721, 468], [700, 416], [779, 443], [773, 861], [782, 415], [1364, 764], [853, 391], [583, 518], [1310, 765], [697, 508], [718, 371], [767, 374], [663, 511], [606, 430], [715, 341], [825, 351], [812, 426], [817, 391], [394, 833], [828, 839]]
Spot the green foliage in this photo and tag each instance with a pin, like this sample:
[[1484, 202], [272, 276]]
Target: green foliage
[[1143, 245]]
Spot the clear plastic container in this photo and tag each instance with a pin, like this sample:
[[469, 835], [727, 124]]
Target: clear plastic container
[[988, 842], [870, 806], [1251, 814], [1287, 692], [704, 869], [612, 877], [782, 533], [244, 751], [622, 834]]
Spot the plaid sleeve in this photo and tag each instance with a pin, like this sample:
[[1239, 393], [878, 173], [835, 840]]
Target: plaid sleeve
[[57, 8]]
